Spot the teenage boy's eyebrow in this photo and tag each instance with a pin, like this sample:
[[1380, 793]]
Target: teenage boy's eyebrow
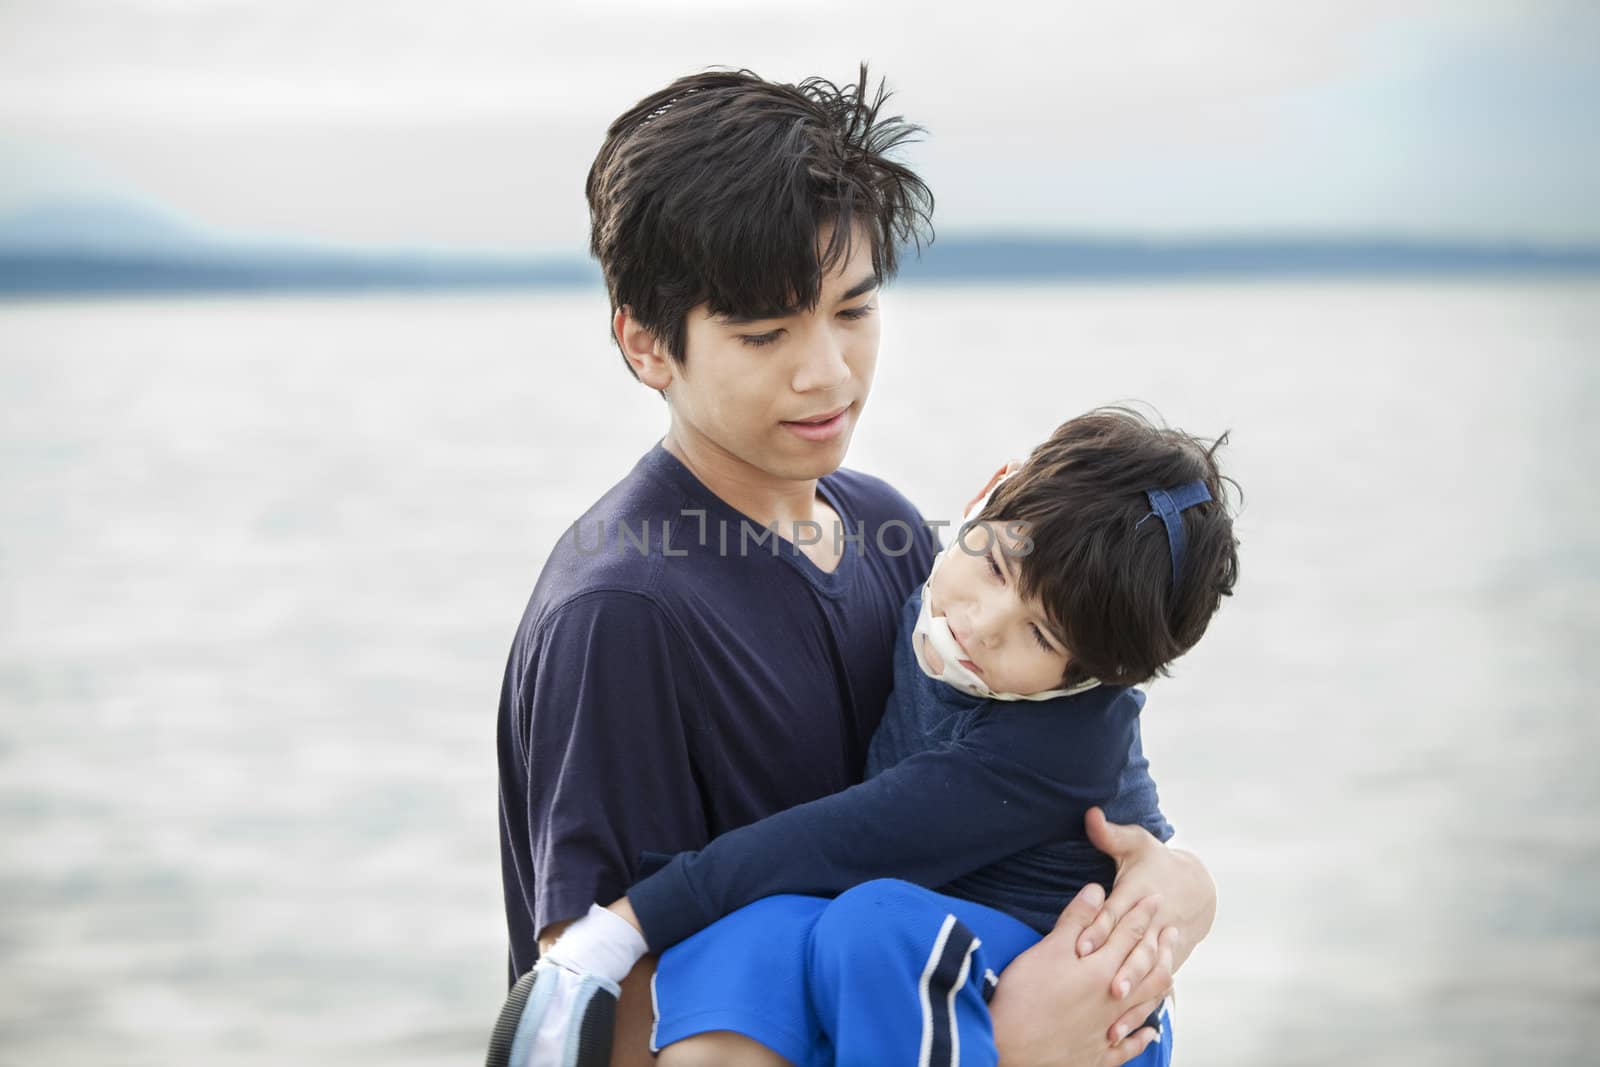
[[733, 318], [861, 288]]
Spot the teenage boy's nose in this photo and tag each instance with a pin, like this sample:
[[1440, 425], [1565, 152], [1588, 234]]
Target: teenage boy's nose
[[822, 365]]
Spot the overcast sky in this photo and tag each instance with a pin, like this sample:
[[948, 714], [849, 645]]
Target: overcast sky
[[429, 122]]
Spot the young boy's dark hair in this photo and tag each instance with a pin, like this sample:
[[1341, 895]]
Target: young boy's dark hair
[[714, 190], [1100, 562]]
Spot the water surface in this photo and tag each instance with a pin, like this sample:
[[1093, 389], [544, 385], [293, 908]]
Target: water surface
[[261, 559]]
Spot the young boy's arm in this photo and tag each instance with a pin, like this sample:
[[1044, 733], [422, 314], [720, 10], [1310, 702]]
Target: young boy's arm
[[1022, 777], [1018, 779]]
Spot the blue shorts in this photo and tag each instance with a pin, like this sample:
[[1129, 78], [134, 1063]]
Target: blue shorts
[[887, 973]]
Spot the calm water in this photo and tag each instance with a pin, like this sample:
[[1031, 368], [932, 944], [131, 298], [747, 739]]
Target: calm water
[[260, 562]]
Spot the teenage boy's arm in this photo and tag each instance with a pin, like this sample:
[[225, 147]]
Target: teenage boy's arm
[[594, 751], [595, 763]]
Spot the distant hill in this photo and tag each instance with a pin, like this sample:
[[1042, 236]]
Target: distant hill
[[71, 273], [96, 226], [92, 246], [1009, 258], [104, 247]]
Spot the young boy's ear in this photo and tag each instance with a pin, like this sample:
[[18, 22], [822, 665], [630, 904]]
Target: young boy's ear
[[994, 480]]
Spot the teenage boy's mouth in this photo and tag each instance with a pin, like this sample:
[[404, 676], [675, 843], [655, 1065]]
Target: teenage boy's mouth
[[821, 427]]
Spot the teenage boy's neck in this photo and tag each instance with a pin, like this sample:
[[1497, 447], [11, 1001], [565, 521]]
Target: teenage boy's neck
[[749, 491]]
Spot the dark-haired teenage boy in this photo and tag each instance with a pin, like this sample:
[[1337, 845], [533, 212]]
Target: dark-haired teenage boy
[[736, 663]]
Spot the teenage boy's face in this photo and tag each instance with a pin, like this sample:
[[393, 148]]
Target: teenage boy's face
[[1010, 642], [783, 395]]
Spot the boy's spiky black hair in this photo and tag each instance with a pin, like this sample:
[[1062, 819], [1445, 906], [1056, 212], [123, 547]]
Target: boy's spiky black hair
[[715, 191]]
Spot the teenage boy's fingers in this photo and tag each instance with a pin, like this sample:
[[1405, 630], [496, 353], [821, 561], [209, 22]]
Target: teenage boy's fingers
[[1132, 1019], [1140, 962], [1081, 912], [1158, 983], [1148, 994], [1130, 929], [1102, 922], [1131, 846], [988, 487], [1128, 1048]]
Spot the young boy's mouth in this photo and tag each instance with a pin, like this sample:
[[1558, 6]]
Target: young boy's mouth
[[967, 663]]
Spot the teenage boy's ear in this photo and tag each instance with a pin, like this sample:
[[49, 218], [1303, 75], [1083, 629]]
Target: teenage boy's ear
[[994, 480], [643, 349]]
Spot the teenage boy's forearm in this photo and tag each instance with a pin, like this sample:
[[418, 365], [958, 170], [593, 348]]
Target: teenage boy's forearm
[[1194, 905], [1189, 898]]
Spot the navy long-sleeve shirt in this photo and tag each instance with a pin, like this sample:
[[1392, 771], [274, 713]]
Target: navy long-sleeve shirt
[[980, 799]]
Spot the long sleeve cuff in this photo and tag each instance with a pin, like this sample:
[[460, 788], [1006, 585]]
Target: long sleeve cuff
[[666, 906]]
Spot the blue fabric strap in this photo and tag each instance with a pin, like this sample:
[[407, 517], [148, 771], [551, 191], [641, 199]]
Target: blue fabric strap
[[1170, 504]]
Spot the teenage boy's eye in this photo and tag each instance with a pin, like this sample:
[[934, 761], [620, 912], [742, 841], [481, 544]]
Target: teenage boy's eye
[[861, 312], [759, 340], [994, 568]]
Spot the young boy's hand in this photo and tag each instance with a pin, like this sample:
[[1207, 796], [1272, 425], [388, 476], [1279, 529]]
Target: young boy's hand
[[563, 1012]]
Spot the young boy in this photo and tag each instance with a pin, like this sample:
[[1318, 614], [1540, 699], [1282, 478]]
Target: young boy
[[1081, 574]]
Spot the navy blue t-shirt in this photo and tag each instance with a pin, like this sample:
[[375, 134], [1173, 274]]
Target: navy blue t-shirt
[[656, 698]]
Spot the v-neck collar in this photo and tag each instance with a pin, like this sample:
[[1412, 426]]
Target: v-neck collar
[[829, 583]]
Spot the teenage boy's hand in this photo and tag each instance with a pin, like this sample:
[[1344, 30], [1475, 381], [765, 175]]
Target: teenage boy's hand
[[1146, 866], [994, 479], [1054, 1008]]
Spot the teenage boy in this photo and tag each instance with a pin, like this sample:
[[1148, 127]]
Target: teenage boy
[[695, 656]]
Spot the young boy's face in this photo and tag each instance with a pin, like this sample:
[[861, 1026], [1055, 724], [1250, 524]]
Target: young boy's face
[[782, 395], [1010, 642]]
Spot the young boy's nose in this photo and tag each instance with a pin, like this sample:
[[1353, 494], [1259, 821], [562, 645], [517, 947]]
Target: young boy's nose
[[991, 619], [984, 625]]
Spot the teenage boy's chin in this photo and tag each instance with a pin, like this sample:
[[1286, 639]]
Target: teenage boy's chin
[[797, 458]]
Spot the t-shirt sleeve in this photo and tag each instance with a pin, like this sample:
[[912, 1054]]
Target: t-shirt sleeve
[[1015, 781], [603, 709]]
